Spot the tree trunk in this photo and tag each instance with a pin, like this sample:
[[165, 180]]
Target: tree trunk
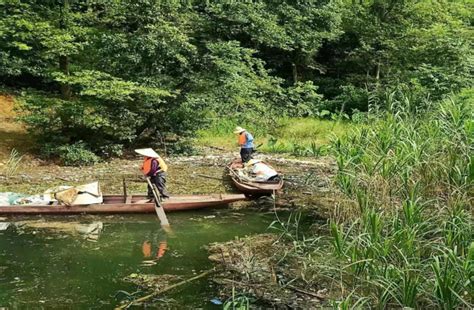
[[295, 73], [64, 67], [66, 91], [377, 73]]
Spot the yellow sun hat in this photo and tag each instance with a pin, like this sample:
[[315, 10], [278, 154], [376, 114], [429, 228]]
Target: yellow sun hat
[[148, 152], [239, 129]]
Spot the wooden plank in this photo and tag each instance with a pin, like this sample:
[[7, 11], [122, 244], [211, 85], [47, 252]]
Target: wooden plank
[[158, 208], [113, 205]]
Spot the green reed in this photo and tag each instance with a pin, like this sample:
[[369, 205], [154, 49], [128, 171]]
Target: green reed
[[406, 238]]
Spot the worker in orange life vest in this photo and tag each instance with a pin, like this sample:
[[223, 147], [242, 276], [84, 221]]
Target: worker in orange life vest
[[245, 141], [154, 167]]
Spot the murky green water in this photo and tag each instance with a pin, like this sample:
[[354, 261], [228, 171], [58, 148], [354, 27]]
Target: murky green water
[[57, 270]]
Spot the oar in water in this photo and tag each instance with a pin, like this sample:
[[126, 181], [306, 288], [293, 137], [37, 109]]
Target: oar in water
[[160, 212]]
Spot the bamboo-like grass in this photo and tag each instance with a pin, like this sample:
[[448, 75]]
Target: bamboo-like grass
[[405, 240]]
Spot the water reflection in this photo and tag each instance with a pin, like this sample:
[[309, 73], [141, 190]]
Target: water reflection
[[66, 271], [155, 247]]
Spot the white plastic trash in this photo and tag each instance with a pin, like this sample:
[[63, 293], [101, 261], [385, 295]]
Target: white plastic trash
[[4, 226]]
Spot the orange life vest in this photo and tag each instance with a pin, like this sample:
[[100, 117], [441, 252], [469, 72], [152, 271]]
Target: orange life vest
[[146, 166], [242, 138]]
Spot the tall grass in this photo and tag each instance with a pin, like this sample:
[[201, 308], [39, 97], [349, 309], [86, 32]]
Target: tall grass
[[406, 239], [12, 164]]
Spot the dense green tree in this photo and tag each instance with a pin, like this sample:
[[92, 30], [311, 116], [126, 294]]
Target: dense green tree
[[287, 34], [114, 73], [425, 45], [235, 84]]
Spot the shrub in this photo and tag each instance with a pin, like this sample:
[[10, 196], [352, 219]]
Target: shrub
[[111, 150], [180, 147], [350, 98], [77, 154], [302, 99]]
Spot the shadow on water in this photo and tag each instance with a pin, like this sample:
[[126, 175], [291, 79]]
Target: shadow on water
[[58, 269]]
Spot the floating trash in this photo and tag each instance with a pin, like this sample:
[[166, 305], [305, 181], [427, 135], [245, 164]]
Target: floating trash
[[4, 226], [216, 301]]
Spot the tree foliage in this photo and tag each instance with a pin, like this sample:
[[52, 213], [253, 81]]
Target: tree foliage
[[120, 72]]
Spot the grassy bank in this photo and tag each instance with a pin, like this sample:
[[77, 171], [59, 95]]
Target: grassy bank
[[296, 136]]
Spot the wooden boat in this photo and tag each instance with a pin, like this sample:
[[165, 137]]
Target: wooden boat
[[251, 188], [117, 204]]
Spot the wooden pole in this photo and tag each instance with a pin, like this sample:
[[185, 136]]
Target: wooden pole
[[144, 298], [160, 212], [206, 176], [124, 190], [234, 173]]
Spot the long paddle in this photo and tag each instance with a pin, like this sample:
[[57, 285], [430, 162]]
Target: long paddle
[[160, 212]]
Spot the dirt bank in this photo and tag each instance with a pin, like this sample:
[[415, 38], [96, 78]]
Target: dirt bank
[[12, 134]]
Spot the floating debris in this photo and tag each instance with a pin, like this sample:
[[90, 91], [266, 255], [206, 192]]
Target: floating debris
[[151, 281], [252, 269], [89, 231], [216, 301]]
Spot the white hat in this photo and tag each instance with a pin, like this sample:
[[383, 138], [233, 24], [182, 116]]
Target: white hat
[[147, 152], [239, 129]]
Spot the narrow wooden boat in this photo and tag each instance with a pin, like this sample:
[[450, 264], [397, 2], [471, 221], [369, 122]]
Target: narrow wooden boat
[[117, 204], [251, 188]]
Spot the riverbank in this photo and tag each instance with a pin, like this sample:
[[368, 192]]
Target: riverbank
[[308, 180]]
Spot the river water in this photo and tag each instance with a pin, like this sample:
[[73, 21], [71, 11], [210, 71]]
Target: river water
[[64, 270], [41, 267]]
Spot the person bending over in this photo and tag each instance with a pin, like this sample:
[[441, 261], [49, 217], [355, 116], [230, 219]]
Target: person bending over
[[154, 167]]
